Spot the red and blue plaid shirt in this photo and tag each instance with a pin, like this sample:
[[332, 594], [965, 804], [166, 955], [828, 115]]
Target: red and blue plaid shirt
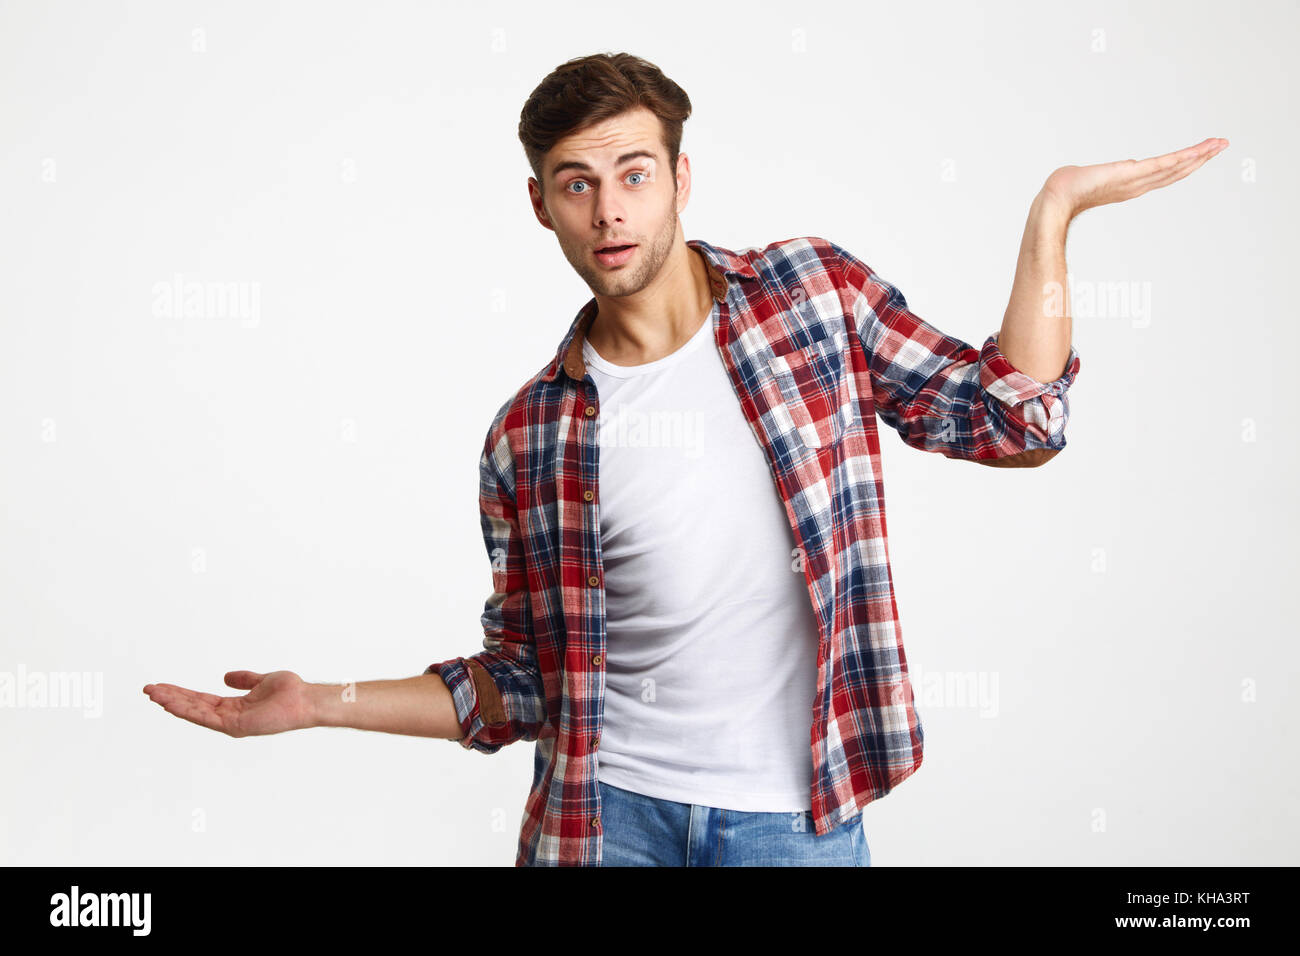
[[816, 345]]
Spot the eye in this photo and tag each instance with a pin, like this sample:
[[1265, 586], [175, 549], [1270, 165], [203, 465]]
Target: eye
[[641, 174], [576, 182]]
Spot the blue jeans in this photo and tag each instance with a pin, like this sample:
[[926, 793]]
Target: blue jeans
[[645, 831]]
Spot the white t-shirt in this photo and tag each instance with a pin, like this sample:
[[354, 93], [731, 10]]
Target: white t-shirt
[[711, 665]]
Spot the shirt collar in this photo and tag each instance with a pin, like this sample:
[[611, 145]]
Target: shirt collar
[[721, 265]]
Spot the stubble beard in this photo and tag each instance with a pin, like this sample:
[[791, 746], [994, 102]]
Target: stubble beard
[[650, 260]]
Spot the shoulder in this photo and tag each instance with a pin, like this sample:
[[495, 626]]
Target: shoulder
[[787, 259]]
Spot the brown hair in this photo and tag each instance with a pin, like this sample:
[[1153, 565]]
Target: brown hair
[[591, 89]]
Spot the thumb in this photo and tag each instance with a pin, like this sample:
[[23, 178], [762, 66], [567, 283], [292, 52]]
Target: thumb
[[243, 680]]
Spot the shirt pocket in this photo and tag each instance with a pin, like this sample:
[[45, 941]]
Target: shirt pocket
[[812, 384]]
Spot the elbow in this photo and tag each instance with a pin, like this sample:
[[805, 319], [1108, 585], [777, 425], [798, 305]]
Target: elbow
[[502, 716], [1030, 458], [1030, 434], [491, 707]]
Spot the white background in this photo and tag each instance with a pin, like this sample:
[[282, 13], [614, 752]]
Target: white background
[[179, 497]]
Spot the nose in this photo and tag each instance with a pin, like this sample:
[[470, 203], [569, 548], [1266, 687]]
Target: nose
[[607, 211]]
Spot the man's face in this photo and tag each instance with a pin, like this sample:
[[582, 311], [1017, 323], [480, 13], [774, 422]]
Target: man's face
[[610, 185]]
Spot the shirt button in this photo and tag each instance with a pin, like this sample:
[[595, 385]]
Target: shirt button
[[593, 580], [595, 742], [595, 821], [597, 659], [589, 410], [588, 494]]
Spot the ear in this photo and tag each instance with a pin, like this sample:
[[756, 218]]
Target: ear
[[539, 206], [683, 181]]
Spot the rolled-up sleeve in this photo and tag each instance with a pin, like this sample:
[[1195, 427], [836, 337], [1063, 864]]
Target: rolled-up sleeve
[[944, 395], [498, 693]]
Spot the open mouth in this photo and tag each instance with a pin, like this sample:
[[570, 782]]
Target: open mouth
[[615, 255]]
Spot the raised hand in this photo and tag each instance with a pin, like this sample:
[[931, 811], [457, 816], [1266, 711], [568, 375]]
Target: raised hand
[[276, 702], [1072, 189]]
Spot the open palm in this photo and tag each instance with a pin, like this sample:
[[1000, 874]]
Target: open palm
[[1076, 188], [276, 702]]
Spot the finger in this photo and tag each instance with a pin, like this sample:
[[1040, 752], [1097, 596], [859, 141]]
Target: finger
[[1165, 176], [1172, 174], [1181, 171], [175, 690], [1160, 164], [244, 680], [188, 708], [1196, 155], [1206, 145], [1149, 169]]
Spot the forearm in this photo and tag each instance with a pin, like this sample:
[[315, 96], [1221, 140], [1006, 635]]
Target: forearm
[[417, 706], [1035, 334]]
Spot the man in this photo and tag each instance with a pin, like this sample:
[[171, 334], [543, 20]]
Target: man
[[693, 611]]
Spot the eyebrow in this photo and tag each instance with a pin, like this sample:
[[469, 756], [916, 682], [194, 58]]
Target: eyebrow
[[626, 157]]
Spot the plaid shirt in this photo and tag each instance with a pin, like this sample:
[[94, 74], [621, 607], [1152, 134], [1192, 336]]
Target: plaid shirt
[[816, 345]]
